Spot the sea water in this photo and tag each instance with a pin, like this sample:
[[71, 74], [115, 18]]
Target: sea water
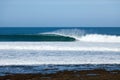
[[93, 47]]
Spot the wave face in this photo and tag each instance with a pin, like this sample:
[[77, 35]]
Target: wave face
[[33, 37]]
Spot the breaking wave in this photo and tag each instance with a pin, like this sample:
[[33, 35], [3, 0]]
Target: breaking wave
[[63, 35], [81, 35]]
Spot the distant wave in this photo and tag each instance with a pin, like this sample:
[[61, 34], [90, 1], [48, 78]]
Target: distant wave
[[81, 35]]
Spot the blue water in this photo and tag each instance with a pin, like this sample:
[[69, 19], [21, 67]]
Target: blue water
[[34, 30]]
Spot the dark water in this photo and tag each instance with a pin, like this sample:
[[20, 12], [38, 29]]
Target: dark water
[[45, 37]]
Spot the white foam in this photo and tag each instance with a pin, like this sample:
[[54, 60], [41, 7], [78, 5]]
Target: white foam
[[29, 57]]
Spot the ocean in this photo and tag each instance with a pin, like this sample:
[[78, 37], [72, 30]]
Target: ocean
[[35, 49]]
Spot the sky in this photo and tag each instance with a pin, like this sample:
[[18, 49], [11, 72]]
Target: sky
[[59, 13]]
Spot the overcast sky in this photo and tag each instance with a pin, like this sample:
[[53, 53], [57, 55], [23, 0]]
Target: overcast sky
[[59, 13]]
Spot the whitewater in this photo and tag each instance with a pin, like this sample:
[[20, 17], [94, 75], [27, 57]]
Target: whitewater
[[39, 53]]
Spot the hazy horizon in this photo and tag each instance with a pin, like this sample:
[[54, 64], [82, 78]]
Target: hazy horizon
[[63, 13]]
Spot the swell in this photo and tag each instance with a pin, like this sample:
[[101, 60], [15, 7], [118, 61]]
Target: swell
[[34, 37]]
